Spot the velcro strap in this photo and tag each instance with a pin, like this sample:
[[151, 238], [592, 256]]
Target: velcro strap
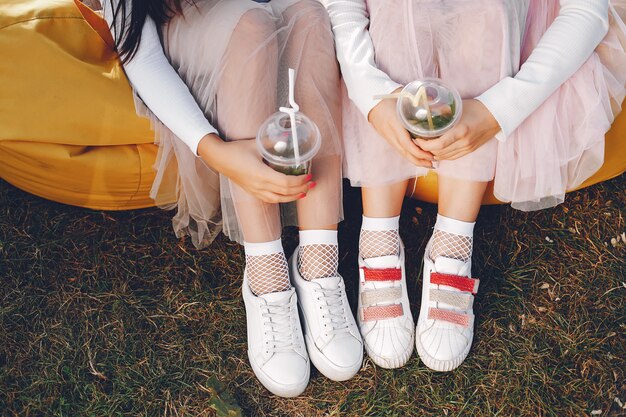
[[391, 274], [383, 295], [382, 312], [455, 281], [460, 300], [465, 320]]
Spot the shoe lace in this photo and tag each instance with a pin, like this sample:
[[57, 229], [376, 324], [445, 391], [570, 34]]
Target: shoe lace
[[333, 311], [278, 328]]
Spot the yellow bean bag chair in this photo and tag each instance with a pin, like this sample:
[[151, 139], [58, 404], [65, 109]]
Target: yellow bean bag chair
[[68, 127]]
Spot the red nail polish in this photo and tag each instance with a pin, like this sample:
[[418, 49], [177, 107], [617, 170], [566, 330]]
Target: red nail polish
[[312, 185], [309, 177], [301, 196]]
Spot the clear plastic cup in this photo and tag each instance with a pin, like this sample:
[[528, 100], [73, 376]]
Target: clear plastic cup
[[443, 101], [275, 143]]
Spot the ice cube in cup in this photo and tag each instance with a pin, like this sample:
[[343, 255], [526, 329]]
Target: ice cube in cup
[[276, 145], [428, 108]]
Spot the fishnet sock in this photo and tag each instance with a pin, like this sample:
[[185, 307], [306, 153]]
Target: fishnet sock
[[318, 261], [375, 243], [267, 273], [451, 245]]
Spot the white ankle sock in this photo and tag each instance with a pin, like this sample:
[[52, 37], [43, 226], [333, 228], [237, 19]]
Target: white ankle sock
[[452, 239], [319, 254], [266, 267], [379, 237]]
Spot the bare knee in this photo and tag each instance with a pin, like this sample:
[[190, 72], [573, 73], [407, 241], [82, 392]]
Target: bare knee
[[311, 10], [250, 64], [256, 26], [309, 18]]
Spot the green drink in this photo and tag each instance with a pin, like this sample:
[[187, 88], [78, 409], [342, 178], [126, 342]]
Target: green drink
[[283, 149], [429, 108]]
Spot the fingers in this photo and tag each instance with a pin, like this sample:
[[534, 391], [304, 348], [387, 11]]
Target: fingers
[[398, 137], [289, 181], [274, 187], [448, 139], [274, 194], [450, 150], [301, 189], [424, 163], [279, 183], [261, 181], [273, 198], [411, 152], [420, 153], [462, 146], [455, 154], [436, 146], [412, 159], [406, 152]]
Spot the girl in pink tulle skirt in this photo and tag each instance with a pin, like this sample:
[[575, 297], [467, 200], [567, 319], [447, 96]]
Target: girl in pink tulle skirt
[[208, 73], [542, 81]]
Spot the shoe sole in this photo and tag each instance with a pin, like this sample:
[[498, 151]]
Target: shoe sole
[[398, 361], [391, 363], [327, 368], [285, 391], [437, 364], [319, 360], [432, 363]]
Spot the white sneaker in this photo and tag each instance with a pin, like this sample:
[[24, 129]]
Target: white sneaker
[[332, 337], [445, 327], [275, 344], [384, 313]]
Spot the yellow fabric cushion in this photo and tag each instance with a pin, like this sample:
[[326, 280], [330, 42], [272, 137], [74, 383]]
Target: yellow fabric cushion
[[68, 127]]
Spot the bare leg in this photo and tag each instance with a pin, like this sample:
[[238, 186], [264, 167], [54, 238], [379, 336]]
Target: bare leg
[[459, 204], [445, 327], [386, 323], [381, 210], [460, 199], [384, 201], [251, 61], [251, 65], [310, 50]]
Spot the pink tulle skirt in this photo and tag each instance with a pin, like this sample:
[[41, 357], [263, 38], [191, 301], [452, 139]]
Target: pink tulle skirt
[[234, 56], [472, 44]]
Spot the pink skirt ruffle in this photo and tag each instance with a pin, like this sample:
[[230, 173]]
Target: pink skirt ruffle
[[472, 44], [562, 143]]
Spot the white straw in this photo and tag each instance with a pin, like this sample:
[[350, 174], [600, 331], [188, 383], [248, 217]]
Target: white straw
[[291, 111]]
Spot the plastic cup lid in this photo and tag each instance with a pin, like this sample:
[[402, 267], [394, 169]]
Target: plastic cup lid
[[429, 108], [275, 140]]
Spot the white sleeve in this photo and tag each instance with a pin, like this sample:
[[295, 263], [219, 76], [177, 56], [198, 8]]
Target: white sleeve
[[563, 49], [355, 53], [159, 85]]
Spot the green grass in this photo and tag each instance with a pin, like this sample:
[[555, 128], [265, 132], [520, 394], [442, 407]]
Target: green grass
[[108, 314]]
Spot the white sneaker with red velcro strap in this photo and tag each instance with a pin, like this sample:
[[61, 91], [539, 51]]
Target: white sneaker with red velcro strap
[[445, 326], [332, 337], [384, 314]]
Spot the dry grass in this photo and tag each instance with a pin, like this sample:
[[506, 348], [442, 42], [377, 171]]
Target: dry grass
[[108, 314]]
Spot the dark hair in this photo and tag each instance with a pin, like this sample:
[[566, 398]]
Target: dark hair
[[128, 41]]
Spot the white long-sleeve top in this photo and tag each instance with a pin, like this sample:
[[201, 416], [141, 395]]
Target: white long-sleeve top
[[570, 40], [564, 48], [159, 85]]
